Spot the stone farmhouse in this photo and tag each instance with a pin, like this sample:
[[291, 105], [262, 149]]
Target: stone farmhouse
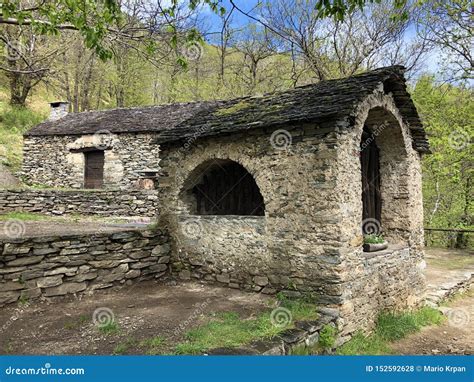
[[270, 193]]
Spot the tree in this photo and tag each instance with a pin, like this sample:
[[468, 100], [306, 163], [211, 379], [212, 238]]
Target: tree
[[255, 44], [27, 61], [447, 112], [337, 47], [448, 25]]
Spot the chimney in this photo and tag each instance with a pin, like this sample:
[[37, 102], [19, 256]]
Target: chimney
[[59, 109]]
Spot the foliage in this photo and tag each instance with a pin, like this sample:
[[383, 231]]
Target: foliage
[[394, 326], [111, 327], [91, 18], [228, 329], [153, 345], [390, 327], [447, 112], [327, 337], [13, 122], [373, 239], [19, 119], [340, 8], [25, 216]]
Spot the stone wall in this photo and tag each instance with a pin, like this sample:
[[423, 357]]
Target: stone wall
[[310, 239], [211, 248], [388, 280], [57, 266], [87, 202], [57, 161], [294, 247]]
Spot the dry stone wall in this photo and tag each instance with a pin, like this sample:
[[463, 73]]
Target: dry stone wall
[[99, 202], [56, 161], [310, 239], [58, 266], [294, 247]]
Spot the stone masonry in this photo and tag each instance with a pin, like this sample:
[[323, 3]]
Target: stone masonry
[[310, 239], [302, 151], [85, 202], [58, 161], [70, 264]]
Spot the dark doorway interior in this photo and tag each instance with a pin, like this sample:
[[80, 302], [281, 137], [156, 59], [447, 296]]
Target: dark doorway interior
[[227, 188], [94, 169], [369, 159]]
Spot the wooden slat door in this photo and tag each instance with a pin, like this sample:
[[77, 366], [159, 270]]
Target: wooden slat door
[[94, 169], [371, 199]]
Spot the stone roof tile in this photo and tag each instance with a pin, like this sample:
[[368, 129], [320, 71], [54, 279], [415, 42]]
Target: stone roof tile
[[332, 100]]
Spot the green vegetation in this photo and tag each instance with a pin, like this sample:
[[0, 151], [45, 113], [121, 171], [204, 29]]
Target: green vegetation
[[327, 337], [111, 327], [227, 330], [14, 121], [25, 216], [373, 239], [447, 112], [230, 330], [153, 345], [76, 323], [239, 106], [390, 327]]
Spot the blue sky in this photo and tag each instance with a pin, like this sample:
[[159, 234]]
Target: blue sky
[[431, 63]]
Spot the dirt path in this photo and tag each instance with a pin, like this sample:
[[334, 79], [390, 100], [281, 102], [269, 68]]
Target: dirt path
[[455, 336]]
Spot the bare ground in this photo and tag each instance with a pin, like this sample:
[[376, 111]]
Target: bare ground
[[150, 309], [455, 336], [143, 311]]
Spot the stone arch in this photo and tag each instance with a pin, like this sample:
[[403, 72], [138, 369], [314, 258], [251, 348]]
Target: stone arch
[[221, 187], [382, 129]]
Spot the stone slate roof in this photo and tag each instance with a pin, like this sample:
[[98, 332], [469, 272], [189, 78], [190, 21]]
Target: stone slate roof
[[332, 100]]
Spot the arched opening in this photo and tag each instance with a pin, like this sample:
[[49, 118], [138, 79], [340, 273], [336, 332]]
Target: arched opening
[[222, 187], [384, 175]]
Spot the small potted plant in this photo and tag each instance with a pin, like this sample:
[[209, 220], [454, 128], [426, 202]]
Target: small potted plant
[[374, 242]]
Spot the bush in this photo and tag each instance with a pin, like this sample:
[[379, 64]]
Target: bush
[[327, 337]]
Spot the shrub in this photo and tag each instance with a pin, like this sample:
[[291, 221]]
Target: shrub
[[327, 337]]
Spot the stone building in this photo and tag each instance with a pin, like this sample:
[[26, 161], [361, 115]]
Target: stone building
[[270, 193]]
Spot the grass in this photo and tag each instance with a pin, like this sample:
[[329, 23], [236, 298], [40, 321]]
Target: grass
[[24, 216], [373, 239], [76, 323], [230, 330], [111, 327], [153, 345], [14, 122], [390, 327]]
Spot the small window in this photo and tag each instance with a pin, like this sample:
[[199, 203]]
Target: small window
[[223, 187]]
